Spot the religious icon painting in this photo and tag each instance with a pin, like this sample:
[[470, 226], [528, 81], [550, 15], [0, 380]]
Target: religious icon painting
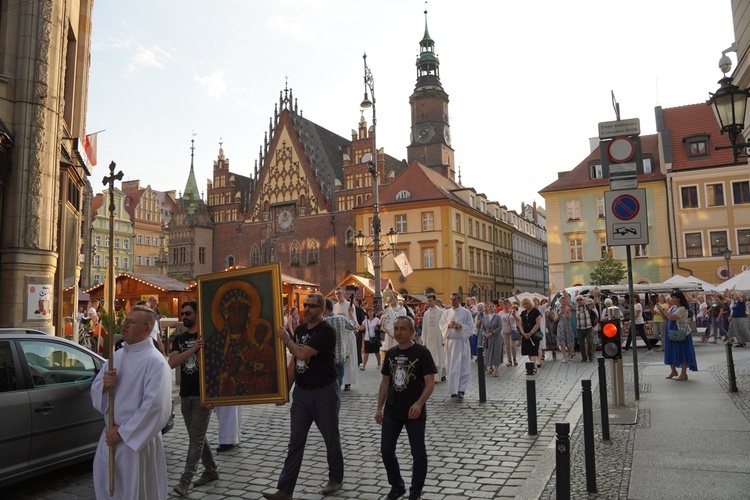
[[243, 361]]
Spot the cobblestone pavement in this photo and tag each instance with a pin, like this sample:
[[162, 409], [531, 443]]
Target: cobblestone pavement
[[475, 450], [614, 458]]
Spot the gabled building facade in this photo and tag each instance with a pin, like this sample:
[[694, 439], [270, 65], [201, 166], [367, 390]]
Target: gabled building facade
[[122, 245], [296, 209], [576, 229], [708, 196], [143, 205]]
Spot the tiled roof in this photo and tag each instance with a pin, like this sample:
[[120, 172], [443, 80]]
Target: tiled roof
[[580, 177], [320, 142], [423, 183], [158, 280], [691, 120]]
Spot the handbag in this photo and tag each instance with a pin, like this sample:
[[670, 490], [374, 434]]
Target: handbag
[[515, 334], [676, 335], [538, 336]]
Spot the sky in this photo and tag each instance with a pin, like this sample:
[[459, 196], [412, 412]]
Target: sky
[[528, 81]]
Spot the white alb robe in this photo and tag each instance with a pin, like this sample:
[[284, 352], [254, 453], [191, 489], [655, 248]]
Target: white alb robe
[[432, 339], [143, 404], [457, 348], [387, 320], [351, 366], [230, 424]]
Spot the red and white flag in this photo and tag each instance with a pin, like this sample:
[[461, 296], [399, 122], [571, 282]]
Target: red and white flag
[[89, 146], [403, 264]]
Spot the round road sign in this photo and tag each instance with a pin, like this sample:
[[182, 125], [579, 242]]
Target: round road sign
[[620, 149], [625, 207]]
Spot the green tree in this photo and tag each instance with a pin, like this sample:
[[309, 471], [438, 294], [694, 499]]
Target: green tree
[[607, 272]]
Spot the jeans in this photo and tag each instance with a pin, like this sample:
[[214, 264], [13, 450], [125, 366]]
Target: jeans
[[340, 368], [308, 406], [196, 421], [717, 325], [389, 437]]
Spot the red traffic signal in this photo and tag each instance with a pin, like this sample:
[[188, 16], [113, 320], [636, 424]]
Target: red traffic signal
[[611, 339]]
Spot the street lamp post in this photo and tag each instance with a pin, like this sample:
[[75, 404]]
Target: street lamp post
[[373, 168], [727, 253]]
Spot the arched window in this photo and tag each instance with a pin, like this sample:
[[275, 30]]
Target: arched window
[[273, 253], [295, 261], [230, 261], [254, 256], [350, 237], [302, 205], [313, 253]]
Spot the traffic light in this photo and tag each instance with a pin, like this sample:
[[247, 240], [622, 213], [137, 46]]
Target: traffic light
[[611, 339]]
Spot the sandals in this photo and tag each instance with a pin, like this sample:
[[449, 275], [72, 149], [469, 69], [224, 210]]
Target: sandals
[[682, 377], [672, 375], [515, 363], [509, 364]]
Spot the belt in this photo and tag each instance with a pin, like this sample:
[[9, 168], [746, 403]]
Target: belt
[[312, 387]]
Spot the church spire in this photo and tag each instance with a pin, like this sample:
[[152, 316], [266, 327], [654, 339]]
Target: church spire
[[191, 192], [428, 65]]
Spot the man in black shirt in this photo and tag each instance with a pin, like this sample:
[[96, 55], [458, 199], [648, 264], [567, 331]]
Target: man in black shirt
[[184, 353], [313, 372], [407, 383]]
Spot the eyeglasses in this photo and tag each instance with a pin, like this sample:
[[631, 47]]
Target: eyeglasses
[[311, 305]]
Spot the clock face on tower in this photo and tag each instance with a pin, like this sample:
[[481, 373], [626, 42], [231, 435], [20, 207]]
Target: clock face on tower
[[424, 134], [284, 219]]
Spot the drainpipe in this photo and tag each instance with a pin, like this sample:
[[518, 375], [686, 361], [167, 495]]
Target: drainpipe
[[673, 229]]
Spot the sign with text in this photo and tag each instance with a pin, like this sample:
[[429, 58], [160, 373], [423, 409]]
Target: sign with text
[[627, 217], [619, 128]]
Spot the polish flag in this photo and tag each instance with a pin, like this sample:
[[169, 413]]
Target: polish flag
[[89, 146]]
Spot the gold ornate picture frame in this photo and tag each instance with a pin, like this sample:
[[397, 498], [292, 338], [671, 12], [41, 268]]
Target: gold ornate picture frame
[[242, 362]]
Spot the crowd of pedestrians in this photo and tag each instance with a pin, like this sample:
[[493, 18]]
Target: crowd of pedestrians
[[414, 348]]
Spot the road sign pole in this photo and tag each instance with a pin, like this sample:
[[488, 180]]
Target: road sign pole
[[632, 323]]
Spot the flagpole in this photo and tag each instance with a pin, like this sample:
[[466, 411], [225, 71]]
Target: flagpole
[[110, 181]]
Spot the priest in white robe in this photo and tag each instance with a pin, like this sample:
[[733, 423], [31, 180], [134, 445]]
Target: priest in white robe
[[230, 427], [457, 327], [432, 336], [143, 402], [393, 311]]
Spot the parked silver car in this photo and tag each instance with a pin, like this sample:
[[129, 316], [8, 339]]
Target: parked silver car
[[48, 419]]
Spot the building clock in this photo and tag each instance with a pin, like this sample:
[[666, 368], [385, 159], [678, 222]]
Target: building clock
[[424, 134], [284, 219]]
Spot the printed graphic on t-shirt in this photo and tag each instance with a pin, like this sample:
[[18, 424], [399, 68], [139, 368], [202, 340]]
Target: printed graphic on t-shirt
[[302, 365], [402, 372], [190, 365]]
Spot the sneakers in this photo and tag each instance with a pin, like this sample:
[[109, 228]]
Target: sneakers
[[182, 489], [347, 387], [279, 495], [330, 487], [396, 493], [206, 477]]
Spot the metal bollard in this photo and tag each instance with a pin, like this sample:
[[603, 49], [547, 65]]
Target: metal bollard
[[480, 375], [603, 399], [588, 436], [531, 398], [730, 369], [562, 461]]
